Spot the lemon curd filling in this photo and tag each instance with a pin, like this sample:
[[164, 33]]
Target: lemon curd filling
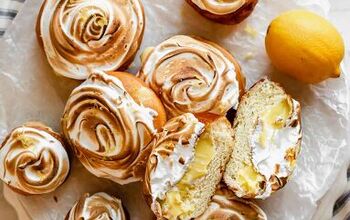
[[278, 114], [274, 119], [249, 179], [266, 136], [178, 202]]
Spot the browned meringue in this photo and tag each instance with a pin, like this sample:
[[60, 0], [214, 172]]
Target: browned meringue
[[108, 130], [224, 11], [219, 7], [192, 75], [33, 159], [99, 206], [225, 205], [80, 36], [173, 150]]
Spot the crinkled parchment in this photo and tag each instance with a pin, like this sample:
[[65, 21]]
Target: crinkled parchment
[[29, 90]]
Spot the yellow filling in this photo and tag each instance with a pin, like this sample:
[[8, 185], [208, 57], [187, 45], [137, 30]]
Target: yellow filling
[[249, 179], [178, 203], [275, 118]]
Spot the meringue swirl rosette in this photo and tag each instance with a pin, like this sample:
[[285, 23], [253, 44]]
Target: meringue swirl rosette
[[108, 129], [220, 7], [97, 206], [193, 75], [79, 36], [33, 160], [226, 12], [225, 205]]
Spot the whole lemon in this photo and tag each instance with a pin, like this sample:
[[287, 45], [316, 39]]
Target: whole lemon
[[305, 46]]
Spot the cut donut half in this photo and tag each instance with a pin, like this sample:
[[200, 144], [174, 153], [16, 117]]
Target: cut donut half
[[186, 164], [267, 139]]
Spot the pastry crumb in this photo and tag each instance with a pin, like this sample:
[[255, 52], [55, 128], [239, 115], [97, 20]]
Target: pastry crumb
[[251, 31], [249, 56]]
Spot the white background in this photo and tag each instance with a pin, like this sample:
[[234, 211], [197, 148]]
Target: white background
[[340, 16]]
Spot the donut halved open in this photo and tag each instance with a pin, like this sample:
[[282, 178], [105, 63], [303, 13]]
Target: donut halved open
[[267, 139]]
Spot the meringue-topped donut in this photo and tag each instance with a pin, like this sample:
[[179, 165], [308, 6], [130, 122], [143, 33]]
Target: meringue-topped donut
[[225, 205], [224, 11], [97, 206], [220, 7], [193, 75], [109, 120], [33, 159], [80, 36], [179, 134], [186, 164]]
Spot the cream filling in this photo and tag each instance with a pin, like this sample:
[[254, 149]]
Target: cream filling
[[170, 170], [270, 147], [27, 145], [215, 90], [219, 7]]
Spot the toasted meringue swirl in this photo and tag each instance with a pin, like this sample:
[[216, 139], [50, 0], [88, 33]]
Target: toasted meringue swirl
[[108, 130], [225, 205], [192, 75], [33, 160], [99, 206], [173, 150], [220, 7], [80, 36]]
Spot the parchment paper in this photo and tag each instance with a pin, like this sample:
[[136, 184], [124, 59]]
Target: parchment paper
[[29, 90]]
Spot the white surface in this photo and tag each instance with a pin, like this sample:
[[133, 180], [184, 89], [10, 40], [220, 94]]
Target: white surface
[[46, 101], [325, 205], [11, 4]]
